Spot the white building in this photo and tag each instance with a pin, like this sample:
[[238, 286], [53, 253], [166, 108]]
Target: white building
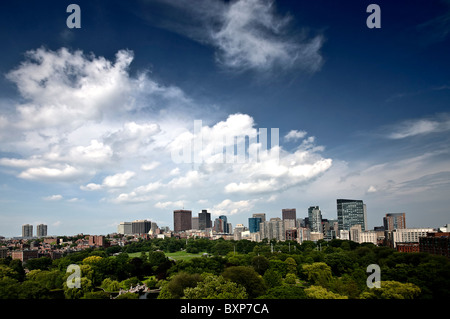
[[124, 228], [368, 237], [408, 235], [273, 229], [344, 234]]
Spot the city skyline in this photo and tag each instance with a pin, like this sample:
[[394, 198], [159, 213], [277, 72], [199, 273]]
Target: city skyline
[[312, 220], [91, 117]]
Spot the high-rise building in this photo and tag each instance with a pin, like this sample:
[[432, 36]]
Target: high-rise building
[[315, 219], [289, 213], [182, 220], [260, 215], [351, 212], [273, 229], [204, 220], [41, 230], [225, 223], [195, 224], [27, 231], [141, 226], [394, 221], [253, 224], [124, 228]]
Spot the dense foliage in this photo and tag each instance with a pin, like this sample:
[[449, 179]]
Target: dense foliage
[[232, 269]]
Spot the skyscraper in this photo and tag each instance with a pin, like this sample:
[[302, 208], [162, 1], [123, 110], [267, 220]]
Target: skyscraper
[[273, 229], [182, 220], [315, 219], [204, 220], [289, 213], [260, 215], [124, 228], [218, 225], [253, 224], [141, 226], [351, 212], [394, 221], [225, 224], [27, 230], [41, 230]]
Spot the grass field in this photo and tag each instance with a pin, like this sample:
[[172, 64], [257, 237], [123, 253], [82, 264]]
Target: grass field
[[179, 255]]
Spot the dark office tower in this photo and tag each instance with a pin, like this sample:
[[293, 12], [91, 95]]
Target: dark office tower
[[225, 224], [182, 220], [253, 224], [141, 226], [204, 220], [289, 213], [350, 212], [315, 219], [394, 221]]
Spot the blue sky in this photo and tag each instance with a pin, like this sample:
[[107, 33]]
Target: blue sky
[[90, 117]]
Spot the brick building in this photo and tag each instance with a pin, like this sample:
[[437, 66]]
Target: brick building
[[436, 244]]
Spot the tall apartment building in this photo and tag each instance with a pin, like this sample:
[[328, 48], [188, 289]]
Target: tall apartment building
[[141, 226], [27, 231], [41, 230], [204, 220], [273, 229], [195, 223], [124, 228], [315, 219], [182, 220], [351, 212], [394, 221]]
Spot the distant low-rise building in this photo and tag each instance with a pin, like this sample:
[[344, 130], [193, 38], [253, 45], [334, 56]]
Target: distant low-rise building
[[24, 255]]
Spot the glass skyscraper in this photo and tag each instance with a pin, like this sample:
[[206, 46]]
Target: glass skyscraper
[[253, 224], [351, 212]]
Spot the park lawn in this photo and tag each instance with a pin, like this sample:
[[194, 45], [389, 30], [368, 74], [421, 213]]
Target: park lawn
[[179, 255]]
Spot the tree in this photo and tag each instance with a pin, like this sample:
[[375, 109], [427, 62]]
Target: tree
[[291, 279], [291, 265], [176, 286], [272, 278], [260, 264], [222, 247], [340, 263], [216, 287], [319, 292], [248, 278], [279, 266], [77, 293], [8, 288], [16, 266], [392, 290], [318, 273], [91, 260], [42, 263], [32, 290], [45, 278], [285, 292]]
